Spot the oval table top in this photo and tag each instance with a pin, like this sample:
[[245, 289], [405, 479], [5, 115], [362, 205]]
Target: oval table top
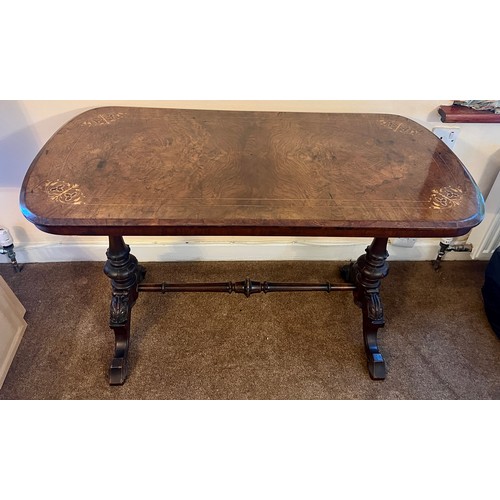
[[148, 171]]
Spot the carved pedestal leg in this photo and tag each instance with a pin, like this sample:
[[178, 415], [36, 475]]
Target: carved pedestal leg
[[125, 274], [366, 273]]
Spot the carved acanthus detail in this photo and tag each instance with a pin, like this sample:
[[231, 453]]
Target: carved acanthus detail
[[119, 308], [375, 309]]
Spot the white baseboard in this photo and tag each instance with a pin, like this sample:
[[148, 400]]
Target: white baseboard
[[182, 250]]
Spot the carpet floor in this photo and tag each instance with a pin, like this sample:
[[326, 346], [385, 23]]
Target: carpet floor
[[437, 341]]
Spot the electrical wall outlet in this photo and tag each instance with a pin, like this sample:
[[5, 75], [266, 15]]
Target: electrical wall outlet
[[403, 242], [448, 135]]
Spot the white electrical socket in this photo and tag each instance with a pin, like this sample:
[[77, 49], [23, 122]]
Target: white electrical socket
[[448, 135], [403, 242]]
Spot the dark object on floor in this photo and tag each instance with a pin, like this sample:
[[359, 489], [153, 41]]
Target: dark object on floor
[[491, 292]]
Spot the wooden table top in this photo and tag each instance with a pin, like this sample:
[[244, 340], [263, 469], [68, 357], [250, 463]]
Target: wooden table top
[[145, 171]]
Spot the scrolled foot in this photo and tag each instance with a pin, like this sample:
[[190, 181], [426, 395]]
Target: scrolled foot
[[118, 371], [376, 366]]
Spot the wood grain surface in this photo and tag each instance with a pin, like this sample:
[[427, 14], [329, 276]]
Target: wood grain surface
[[145, 171]]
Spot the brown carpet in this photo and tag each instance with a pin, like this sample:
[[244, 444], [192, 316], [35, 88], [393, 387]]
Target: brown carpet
[[437, 342]]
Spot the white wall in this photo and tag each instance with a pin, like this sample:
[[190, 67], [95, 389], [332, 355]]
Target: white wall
[[25, 126]]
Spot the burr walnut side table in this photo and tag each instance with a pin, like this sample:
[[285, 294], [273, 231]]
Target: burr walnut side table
[[123, 171]]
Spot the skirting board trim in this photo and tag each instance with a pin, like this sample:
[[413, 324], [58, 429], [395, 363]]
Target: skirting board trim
[[187, 251]]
